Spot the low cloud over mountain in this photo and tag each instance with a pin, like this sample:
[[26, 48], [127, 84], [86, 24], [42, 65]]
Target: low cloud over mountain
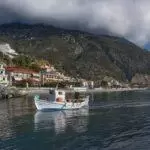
[[126, 18]]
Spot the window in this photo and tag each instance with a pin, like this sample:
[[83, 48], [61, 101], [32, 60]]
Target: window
[[60, 93], [51, 91], [1, 72]]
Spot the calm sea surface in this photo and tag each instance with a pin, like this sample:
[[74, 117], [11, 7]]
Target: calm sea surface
[[115, 121]]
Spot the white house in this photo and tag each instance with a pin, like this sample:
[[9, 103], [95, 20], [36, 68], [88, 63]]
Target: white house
[[3, 76]]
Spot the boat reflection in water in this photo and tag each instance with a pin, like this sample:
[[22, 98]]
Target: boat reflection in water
[[61, 120]]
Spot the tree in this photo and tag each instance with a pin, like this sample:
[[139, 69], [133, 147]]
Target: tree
[[35, 67], [23, 60], [104, 83]]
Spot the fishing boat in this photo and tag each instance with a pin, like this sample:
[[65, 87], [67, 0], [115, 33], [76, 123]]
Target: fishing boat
[[58, 101]]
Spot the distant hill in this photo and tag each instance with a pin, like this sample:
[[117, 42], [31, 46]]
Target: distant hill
[[78, 53]]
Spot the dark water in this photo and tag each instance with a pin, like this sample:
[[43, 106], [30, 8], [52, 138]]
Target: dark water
[[115, 121]]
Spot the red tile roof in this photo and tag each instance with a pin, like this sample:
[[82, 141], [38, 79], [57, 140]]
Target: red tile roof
[[20, 70]]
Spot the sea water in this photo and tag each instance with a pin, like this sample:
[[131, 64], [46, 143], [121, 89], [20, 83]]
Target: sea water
[[114, 121]]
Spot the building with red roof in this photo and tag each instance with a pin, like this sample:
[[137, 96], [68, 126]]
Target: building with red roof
[[18, 74]]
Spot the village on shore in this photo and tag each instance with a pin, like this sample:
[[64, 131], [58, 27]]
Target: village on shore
[[48, 76]]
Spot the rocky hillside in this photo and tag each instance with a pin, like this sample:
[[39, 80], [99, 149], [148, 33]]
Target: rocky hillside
[[141, 79], [78, 53]]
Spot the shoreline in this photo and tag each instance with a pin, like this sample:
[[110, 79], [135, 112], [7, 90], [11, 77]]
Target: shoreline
[[95, 90]]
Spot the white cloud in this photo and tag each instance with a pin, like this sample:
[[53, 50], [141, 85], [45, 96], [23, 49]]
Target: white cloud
[[127, 18]]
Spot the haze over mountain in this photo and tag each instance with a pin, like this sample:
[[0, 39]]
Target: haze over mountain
[[125, 18]]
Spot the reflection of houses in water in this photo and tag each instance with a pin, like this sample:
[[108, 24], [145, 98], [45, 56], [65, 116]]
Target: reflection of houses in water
[[20, 106], [5, 123], [77, 119], [13, 108]]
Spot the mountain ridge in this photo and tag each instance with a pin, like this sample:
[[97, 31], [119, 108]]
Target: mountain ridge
[[79, 53]]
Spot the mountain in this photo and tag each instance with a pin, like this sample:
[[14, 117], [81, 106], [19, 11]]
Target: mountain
[[78, 53]]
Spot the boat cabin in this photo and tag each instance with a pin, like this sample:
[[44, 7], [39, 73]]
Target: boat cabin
[[57, 95]]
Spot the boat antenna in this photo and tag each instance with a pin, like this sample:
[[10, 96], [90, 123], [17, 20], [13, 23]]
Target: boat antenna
[[57, 85]]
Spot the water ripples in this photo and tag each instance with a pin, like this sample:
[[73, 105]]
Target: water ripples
[[114, 121]]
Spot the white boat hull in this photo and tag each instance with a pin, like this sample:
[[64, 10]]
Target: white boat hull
[[46, 105]]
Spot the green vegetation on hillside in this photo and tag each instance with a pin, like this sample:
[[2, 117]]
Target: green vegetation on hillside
[[78, 53]]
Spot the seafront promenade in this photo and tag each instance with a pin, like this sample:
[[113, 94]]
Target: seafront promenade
[[32, 90]]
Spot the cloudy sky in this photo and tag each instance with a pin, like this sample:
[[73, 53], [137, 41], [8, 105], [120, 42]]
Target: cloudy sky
[[126, 18]]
